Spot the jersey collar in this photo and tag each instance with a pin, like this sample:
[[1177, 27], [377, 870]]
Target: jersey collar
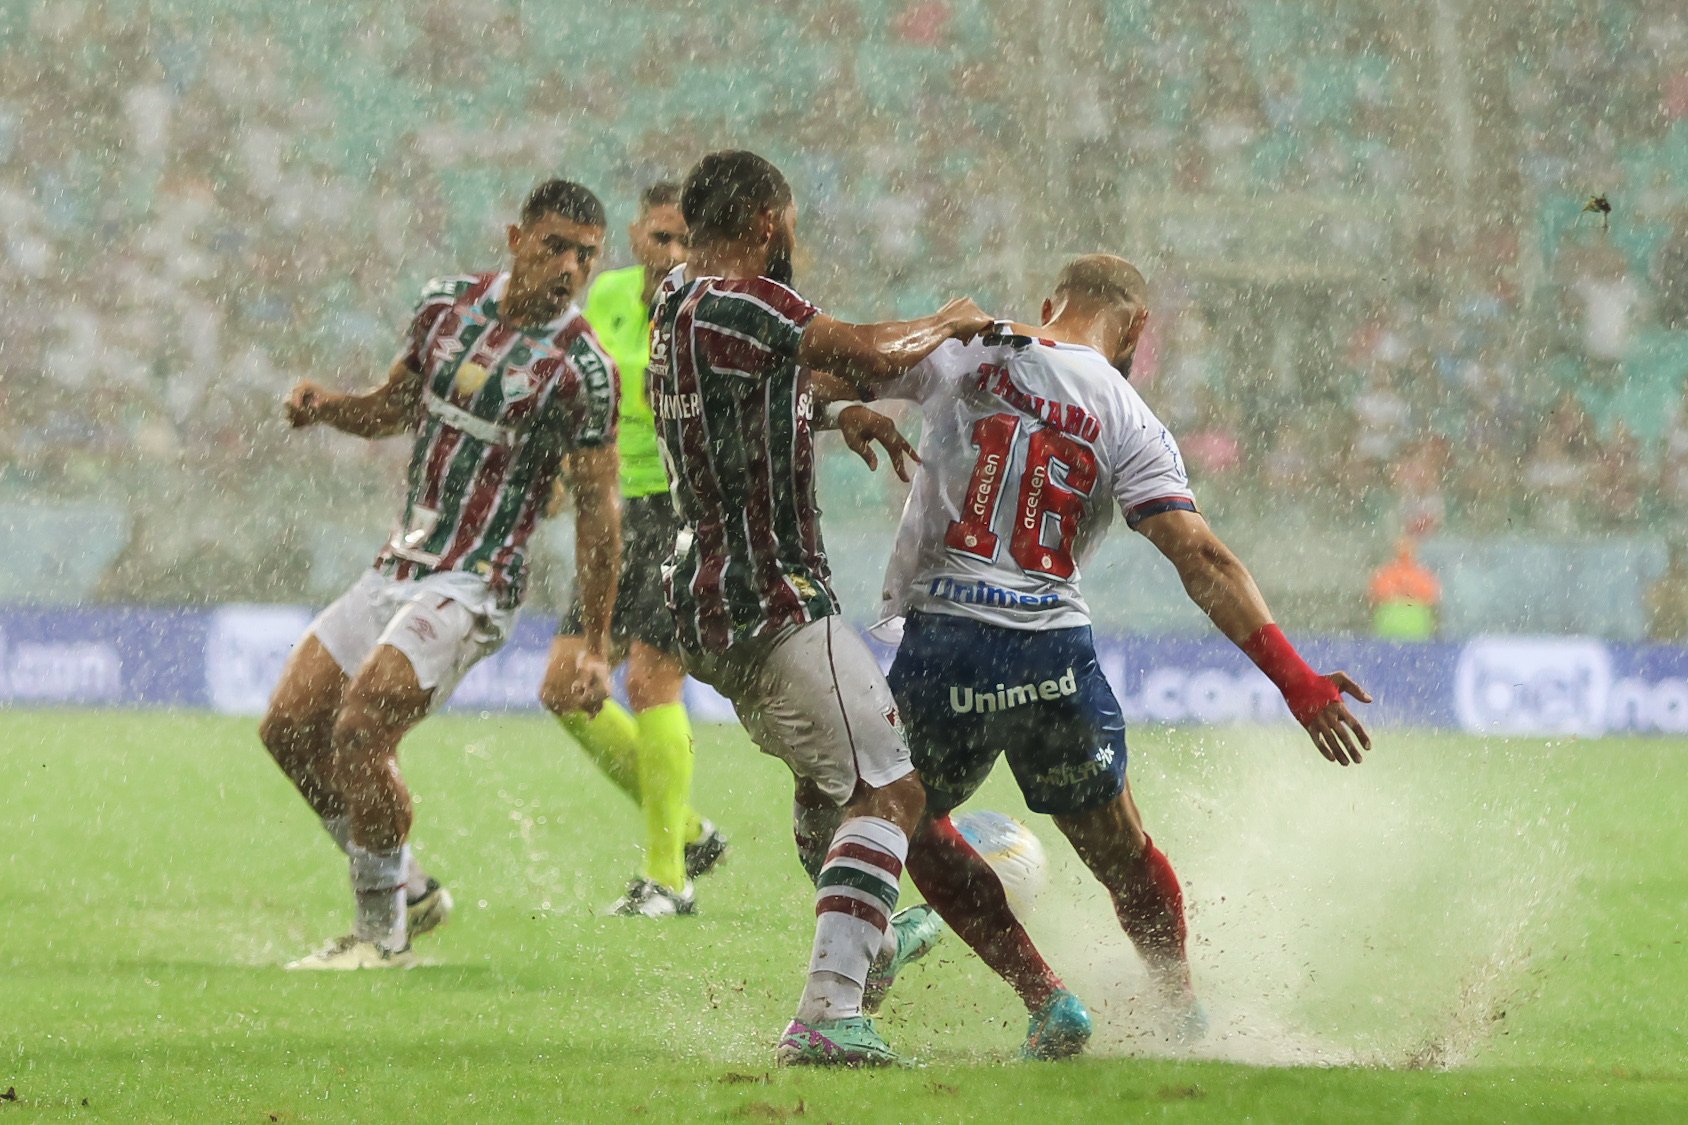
[[1002, 333]]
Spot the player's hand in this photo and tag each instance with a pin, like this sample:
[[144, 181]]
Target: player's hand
[[966, 319], [590, 687], [861, 427], [1332, 727], [304, 403]]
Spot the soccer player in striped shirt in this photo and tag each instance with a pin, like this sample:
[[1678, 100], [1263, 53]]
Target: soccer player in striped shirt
[[499, 378], [646, 753], [729, 381]]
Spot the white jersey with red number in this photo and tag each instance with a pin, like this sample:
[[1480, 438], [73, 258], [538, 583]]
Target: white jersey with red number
[[1027, 447]]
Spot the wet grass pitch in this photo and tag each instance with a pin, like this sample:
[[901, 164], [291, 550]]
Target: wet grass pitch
[[1460, 930]]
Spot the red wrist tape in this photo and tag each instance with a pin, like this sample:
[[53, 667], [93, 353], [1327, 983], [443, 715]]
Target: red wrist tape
[[1306, 692]]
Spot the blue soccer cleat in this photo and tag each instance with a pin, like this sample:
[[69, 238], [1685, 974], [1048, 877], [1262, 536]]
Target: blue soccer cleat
[[1188, 1024], [1058, 1030]]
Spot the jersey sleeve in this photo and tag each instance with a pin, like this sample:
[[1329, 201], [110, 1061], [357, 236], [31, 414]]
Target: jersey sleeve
[[593, 410], [437, 297], [751, 327], [1149, 477]]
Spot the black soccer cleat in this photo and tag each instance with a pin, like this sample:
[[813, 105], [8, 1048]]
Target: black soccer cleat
[[703, 854]]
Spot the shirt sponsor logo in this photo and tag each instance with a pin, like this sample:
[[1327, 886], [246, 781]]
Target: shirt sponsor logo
[[983, 593], [965, 700]]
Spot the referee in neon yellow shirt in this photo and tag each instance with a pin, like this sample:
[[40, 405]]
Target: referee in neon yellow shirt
[[648, 752]]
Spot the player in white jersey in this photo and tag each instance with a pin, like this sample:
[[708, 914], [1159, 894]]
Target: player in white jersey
[[1031, 437]]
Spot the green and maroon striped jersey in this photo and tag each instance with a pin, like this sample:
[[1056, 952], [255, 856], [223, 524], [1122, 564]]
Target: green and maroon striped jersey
[[732, 410], [500, 406]]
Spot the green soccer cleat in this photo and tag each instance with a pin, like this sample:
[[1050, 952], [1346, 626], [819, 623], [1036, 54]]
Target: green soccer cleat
[[1058, 1030], [845, 1042], [917, 930]]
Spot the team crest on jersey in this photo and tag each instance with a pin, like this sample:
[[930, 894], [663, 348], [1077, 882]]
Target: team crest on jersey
[[892, 717], [518, 383], [470, 378]]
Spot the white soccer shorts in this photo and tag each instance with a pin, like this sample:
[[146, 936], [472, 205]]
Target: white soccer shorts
[[814, 697], [444, 624]]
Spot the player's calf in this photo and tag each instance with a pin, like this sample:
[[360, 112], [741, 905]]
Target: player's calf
[[968, 894]]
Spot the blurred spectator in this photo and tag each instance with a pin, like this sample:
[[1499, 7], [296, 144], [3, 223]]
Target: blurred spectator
[[199, 211], [1405, 596]]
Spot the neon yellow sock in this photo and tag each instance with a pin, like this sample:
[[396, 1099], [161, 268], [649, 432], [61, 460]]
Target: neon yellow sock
[[611, 740], [665, 779]]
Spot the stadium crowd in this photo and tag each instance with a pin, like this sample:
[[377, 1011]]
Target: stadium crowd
[[197, 211]]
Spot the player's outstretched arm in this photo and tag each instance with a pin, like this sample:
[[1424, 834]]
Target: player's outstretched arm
[[376, 413], [867, 353], [593, 476], [1219, 583], [859, 426]]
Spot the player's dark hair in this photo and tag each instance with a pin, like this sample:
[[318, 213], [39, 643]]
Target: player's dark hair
[[663, 194], [725, 191], [566, 198]]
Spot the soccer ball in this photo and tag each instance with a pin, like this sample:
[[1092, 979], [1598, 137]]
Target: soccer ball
[[1014, 853]]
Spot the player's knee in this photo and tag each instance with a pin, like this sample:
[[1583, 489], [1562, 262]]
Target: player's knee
[[355, 727], [645, 691], [902, 801]]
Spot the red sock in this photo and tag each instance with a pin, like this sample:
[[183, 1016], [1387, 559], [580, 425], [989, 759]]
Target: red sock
[[1150, 907], [967, 894]]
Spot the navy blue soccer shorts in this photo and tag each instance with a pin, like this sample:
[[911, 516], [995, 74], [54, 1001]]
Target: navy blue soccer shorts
[[968, 692]]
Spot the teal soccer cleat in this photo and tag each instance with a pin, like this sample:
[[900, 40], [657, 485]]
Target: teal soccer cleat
[[845, 1042], [917, 930], [1058, 1030]]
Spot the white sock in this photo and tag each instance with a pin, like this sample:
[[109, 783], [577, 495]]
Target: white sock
[[378, 886], [854, 898], [339, 829]]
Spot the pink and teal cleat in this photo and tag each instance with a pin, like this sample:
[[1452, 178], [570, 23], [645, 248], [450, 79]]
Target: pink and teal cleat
[[845, 1042]]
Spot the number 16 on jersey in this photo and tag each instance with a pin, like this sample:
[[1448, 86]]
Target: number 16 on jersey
[[1057, 476]]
